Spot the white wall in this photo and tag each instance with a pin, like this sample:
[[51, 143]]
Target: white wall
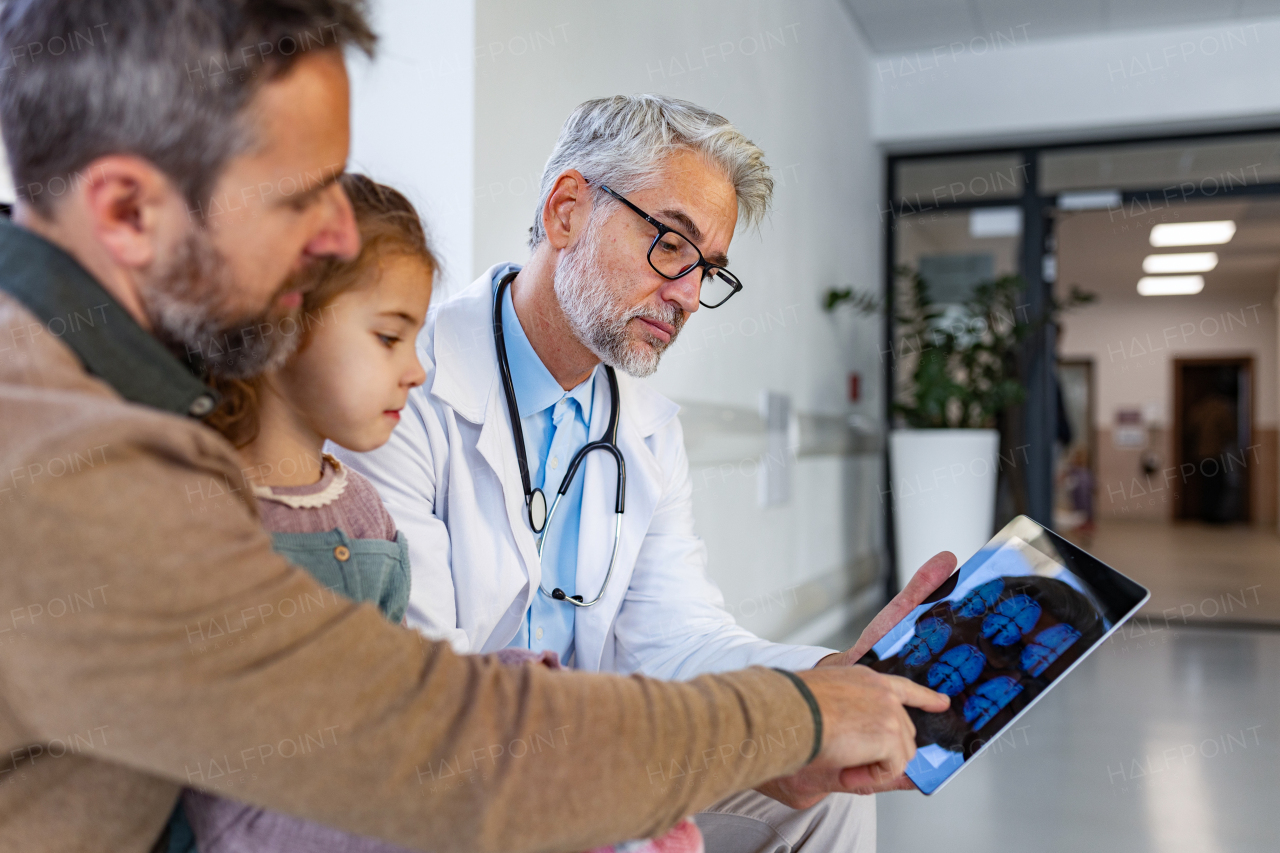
[[792, 76], [7, 193], [1008, 87], [412, 118]]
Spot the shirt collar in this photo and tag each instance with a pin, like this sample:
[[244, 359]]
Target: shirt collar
[[536, 388], [75, 308]]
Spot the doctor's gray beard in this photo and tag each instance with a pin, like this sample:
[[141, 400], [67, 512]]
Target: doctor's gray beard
[[186, 302], [597, 316]]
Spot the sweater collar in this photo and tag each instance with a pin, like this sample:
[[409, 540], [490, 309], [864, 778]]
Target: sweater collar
[[73, 307]]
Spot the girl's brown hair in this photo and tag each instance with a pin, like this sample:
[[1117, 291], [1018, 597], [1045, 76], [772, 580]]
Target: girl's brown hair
[[388, 226]]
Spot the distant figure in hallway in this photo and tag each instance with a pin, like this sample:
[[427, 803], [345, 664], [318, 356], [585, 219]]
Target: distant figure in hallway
[[1078, 482], [1212, 426]]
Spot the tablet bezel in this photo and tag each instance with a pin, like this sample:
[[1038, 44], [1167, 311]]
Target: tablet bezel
[[1102, 579]]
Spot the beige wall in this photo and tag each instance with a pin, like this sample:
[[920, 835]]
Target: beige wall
[[1133, 344], [1124, 491], [1133, 341]]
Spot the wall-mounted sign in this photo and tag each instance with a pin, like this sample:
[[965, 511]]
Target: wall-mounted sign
[[1129, 431]]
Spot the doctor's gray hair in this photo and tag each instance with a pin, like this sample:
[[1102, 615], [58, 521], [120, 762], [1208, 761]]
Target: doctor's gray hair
[[622, 141], [168, 81]]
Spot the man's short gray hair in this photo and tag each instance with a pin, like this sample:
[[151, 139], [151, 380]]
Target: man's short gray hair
[[164, 80], [622, 141]]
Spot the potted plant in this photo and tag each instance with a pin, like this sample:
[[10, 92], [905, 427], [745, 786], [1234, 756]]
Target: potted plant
[[961, 369]]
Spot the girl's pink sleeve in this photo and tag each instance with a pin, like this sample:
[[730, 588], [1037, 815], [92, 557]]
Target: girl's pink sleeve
[[221, 825]]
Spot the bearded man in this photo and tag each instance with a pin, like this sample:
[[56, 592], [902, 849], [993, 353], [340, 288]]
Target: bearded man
[[638, 204]]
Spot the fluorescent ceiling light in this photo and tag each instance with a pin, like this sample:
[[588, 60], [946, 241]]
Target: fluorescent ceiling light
[[1193, 233], [1089, 200], [1180, 262], [995, 222], [1170, 285]]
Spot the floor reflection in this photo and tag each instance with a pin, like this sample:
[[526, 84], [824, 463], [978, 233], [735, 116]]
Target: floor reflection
[[1196, 572], [1166, 741]]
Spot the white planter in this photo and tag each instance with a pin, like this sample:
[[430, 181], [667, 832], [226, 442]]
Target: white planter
[[944, 493]]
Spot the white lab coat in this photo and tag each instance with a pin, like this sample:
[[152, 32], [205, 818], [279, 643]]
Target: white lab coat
[[450, 478]]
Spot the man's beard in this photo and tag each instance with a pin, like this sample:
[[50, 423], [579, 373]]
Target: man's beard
[[187, 302], [599, 319]]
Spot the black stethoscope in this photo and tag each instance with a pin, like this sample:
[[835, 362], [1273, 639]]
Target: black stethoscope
[[534, 500]]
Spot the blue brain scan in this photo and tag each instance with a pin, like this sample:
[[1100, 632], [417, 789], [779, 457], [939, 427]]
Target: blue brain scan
[[956, 669], [1047, 647], [1012, 618], [988, 699], [978, 600], [931, 635]]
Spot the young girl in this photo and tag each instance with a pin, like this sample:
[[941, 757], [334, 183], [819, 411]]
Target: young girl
[[346, 383]]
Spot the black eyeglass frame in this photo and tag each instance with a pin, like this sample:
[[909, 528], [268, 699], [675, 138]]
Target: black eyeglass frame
[[708, 268]]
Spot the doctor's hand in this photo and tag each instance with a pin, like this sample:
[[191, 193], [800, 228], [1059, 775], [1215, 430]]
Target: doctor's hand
[[930, 576], [867, 736]]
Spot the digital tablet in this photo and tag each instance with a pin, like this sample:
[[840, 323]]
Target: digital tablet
[[999, 634]]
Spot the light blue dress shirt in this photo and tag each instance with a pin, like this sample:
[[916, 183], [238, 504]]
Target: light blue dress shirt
[[556, 425]]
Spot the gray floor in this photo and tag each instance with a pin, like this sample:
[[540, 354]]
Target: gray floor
[[1163, 741]]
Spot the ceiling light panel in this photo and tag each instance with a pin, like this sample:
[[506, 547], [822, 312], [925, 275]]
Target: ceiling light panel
[[1170, 285], [995, 222], [1180, 262], [1193, 233]]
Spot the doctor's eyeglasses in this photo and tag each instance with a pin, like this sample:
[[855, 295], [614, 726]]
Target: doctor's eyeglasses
[[673, 255]]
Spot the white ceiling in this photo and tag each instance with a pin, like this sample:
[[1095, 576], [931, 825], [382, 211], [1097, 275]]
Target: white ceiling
[[892, 26]]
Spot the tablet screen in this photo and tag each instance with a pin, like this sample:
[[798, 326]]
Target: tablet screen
[[1005, 628]]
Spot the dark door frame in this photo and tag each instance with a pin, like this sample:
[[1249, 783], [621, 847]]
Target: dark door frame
[[1091, 426], [1037, 246], [1242, 361]]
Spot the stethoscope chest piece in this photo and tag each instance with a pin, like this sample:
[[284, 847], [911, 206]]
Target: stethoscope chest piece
[[537, 510]]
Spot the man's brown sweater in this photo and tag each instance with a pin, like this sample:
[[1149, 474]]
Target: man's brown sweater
[[150, 638]]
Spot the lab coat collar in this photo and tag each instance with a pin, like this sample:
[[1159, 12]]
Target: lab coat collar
[[462, 350], [466, 379], [536, 389]]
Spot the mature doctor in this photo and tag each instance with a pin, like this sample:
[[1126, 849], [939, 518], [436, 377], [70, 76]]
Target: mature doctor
[[639, 202]]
